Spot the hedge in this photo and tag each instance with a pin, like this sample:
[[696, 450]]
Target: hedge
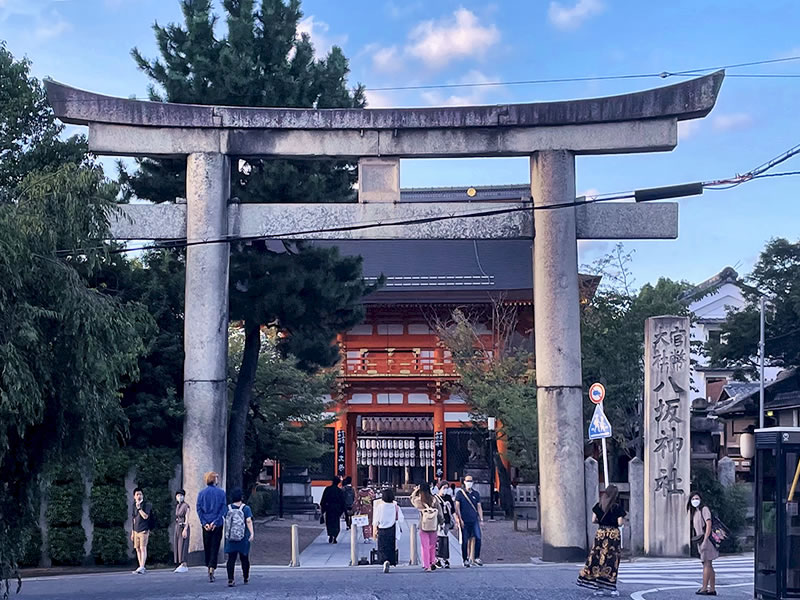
[[65, 504], [109, 505], [110, 545], [263, 501], [65, 545], [154, 469], [32, 554]]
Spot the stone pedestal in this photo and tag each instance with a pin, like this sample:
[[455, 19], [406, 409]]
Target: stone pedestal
[[481, 475], [666, 436], [636, 514], [297, 497]]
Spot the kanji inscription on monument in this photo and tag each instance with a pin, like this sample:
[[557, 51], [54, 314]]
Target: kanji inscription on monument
[[666, 436]]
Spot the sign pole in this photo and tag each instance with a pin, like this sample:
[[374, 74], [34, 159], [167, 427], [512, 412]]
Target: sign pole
[[605, 462]]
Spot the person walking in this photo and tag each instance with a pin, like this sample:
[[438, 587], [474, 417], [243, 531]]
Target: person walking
[[140, 528], [211, 510], [449, 521], [470, 516], [701, 523], [238, 536], [181, 538], [364, 505], [349, 500], [332, 507], [602, 565], [430, 518], [389, 521]]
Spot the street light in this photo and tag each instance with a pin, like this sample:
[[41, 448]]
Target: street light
[[491, 423]]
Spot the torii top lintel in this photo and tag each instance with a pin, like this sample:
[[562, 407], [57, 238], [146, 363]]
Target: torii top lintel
[[244, 128]]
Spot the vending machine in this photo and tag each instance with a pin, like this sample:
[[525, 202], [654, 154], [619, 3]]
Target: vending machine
[[777, 526]]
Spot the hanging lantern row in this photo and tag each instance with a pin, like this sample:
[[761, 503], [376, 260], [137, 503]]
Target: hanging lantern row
[[388, 452]]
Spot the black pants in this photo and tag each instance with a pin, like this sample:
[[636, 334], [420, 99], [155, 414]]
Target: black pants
[[333, 523], [386, 545], [471, 530], [211, 542], [232, 564]]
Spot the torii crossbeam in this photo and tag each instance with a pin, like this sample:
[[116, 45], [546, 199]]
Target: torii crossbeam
[[551, 133]]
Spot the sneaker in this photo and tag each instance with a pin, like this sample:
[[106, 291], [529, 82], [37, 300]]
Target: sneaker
[[433, 567], [386, 567], [466, 564], [138, 571], [479, 562], [246, 580], [181, 569], [231, 583], [447, 564], [210, 575]]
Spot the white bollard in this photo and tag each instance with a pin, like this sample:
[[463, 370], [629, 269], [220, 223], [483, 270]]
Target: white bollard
[[414, 559], [295, 547], [353, 546]]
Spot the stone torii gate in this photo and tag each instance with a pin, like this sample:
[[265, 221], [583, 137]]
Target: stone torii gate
[[550, 133]]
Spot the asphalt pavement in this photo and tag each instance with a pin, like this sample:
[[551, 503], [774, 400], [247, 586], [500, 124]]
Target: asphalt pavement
[[642, 580]]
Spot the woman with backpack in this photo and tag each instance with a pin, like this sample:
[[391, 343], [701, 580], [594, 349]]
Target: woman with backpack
[[602, 565], [238, 535], [430, 518], [701, 523]]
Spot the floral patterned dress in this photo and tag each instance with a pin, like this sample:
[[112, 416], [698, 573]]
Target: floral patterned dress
[[602, 565], [363, 506]]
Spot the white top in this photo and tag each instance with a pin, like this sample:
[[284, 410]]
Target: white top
[[384, 515]]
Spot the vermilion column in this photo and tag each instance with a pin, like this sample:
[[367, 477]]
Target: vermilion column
[[438, 439]]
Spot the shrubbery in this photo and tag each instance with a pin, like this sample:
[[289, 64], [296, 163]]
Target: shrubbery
[[109, 509], [110, 545], [32, 553], [728, 504], [263, 501], [154, 469], [66, 537]]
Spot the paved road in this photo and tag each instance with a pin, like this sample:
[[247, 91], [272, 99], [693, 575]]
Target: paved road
[[643, 580]]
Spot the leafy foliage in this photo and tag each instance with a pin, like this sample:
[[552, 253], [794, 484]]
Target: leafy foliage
[[110, 545], [109, 505], [29, 135], [65, 346], [154, 469], [614, 319], [729, 504], [286, 418], [776, 274], [66, 545]]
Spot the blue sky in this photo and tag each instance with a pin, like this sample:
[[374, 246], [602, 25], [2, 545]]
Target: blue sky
[[86, 43]]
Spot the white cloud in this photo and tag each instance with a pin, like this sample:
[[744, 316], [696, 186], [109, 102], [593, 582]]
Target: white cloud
[[387, 59], [437, 43], [688, 129], [568, 18], [465, 96], [44, 20], [51, 29], [732, 121], [318, 31], [379, 100]]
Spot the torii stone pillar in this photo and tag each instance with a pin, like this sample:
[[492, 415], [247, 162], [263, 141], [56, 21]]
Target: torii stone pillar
[[550, 133]]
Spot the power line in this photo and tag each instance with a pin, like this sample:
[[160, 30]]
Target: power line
[[661, 75], [758, 172]]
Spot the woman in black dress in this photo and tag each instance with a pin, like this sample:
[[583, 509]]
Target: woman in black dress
[[602, 565], [332, 507]]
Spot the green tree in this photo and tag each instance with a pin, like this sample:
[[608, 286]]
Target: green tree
[[287, 412], [776, 275], [29, 137], [310, 292], [497, 381], [66, 348], [612, 341]]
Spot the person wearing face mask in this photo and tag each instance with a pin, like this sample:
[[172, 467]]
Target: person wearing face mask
[[470, 515], [443, 539], [701, 523], [181, 541], [602, 565]]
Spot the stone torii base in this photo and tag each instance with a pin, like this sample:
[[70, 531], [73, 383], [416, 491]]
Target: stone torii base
[[550, 133]]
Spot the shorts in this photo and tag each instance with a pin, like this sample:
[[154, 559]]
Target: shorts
[[140, 540]]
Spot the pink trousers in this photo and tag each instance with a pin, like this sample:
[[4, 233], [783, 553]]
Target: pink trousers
[[428, 542]]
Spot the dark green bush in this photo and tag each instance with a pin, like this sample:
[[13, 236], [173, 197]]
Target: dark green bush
[[109, 506], [65, 545], [263, 501], [112, 468], [728, 504], [155, 467], [33, 548], [158, 547], [110, 545], [65, 504]]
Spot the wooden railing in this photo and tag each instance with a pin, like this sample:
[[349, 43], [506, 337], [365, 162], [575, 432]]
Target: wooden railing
[[397, 364]]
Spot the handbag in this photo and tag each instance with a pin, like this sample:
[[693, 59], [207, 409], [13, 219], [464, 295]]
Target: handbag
[[719, 531], [322, 519]]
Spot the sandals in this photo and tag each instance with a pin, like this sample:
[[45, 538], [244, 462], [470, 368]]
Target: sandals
[[702, 592]]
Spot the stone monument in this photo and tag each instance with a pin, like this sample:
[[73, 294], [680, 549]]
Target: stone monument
[[666, 436]]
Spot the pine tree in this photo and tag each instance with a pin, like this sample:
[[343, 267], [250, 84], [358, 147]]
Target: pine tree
[[310, 292]]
